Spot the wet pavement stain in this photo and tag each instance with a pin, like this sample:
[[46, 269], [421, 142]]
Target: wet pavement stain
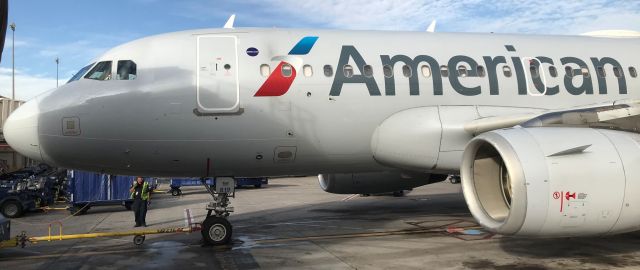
[[609, 261], [487, 264], [236, 259]]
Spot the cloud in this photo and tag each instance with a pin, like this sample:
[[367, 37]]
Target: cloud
[[19, 43], [27, 86], [80, 50], [512, 16]]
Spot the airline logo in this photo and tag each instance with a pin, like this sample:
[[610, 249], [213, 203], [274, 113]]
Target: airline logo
[[461, 70], [531, 73], [277, 84]]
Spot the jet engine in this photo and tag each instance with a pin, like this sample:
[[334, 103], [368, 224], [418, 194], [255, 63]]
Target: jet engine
[[553, 181], [375, 182]]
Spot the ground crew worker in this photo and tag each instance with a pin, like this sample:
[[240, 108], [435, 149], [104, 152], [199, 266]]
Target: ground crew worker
[[141, 199]]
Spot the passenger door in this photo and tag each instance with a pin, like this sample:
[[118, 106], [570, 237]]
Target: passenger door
[[217, 85]]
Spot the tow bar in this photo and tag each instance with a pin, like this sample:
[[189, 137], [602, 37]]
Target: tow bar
[[22, 239]]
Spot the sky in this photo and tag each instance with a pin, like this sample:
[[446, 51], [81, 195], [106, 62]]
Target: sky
[[78, 31]]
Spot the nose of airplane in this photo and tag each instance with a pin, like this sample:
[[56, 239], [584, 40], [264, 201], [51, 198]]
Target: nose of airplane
[[21, 130]]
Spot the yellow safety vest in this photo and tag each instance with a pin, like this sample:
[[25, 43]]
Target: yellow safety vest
[[145, 190]]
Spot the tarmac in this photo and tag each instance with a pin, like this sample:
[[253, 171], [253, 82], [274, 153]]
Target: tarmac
[[292, 224]]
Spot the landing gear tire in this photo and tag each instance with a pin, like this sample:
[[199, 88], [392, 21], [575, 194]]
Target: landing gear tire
[[138, 240], [12, 209], [216, 231]]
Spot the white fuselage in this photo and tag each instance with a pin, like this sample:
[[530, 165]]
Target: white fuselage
[[185, 107]]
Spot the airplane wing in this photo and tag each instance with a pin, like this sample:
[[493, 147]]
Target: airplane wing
[[619, 115]]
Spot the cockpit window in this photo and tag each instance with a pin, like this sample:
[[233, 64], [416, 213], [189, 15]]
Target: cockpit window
[[126, 70], [101, 72], [81, 72]]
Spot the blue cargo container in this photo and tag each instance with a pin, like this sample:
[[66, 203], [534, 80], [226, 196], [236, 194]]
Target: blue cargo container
[[88, 189], [256, 182], [176, 183]]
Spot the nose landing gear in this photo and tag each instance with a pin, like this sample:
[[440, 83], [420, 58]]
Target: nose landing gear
[[216, 229]]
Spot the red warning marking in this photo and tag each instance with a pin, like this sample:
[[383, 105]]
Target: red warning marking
[[568, 196], [564, 196]]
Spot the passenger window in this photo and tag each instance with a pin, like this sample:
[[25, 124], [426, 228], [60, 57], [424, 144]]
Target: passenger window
[[601, 72], [481, 72], [307, 70], [507, 71], [406, 71], [633, 72], [444, 71], [426, 71], [101, 72], [553, 71], [265, 70], [585, 72], [568, 71], [287, 70], [617, 72], [462, 71], [368, 71], [328, 71], [348, 71], [388, 71], [126, 70], [534, 71]]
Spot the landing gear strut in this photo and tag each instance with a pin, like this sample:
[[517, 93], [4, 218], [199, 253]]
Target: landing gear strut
[[216, 229]]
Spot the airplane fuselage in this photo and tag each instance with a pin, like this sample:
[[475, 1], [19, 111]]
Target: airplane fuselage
[[198, 106]]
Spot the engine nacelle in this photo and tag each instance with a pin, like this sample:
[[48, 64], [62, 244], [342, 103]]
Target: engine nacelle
[[554, 181], [375, 182]]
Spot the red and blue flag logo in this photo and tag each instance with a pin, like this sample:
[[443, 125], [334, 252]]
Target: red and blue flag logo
[[278, 84]]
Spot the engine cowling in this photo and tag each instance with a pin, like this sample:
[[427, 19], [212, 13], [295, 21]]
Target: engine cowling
[[375, 182], [553, 181]]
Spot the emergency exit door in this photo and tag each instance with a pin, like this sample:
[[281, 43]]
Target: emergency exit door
[[217, 75]]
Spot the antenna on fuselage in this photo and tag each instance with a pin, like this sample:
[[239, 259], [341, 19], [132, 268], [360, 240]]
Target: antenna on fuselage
[[432, 27], [229, 23]]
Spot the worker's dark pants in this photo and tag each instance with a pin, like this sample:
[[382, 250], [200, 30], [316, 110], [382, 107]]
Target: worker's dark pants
[[140, 211]]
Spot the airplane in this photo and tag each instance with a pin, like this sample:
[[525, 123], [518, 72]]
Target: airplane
[[542, 129]]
